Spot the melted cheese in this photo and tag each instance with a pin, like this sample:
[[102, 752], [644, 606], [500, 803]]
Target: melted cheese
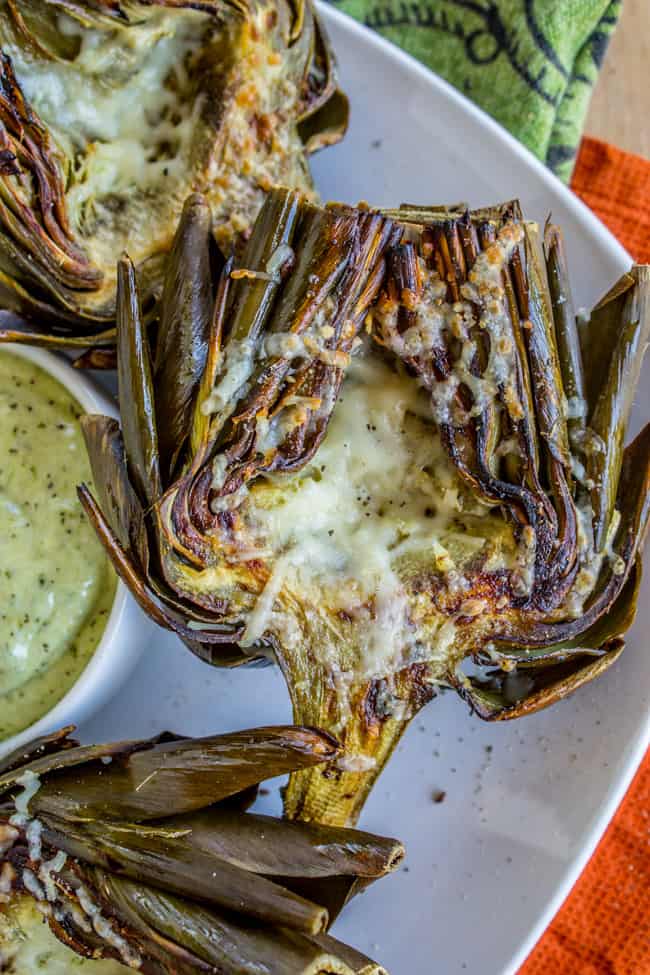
[[239, 362], [165, 101], [105, 928], [379, 498], [113, 102], [121, 109], [30, 784], [28, 947], [436, 320], [42, 885]]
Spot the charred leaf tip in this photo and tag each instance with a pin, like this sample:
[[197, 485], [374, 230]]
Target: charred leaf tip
[[323, 743], [86, 499], [396, 857]]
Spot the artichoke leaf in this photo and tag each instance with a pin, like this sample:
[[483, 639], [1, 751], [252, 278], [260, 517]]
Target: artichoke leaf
[[65, 757], [324, 118], [543, 354], [171, 778], [612, 408], [154, 601], [525, 695], [245, 303], [171, 858], [221, 943], [56, 741], [135, 388], [105, 447], [200, 428], [187, 304], [281, 849], [598, 334], [566, 332], [180, 892]]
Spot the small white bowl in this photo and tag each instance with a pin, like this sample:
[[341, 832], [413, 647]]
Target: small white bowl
[[127, 630]]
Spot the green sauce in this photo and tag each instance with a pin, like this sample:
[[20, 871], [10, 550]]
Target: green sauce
[[56, 584]]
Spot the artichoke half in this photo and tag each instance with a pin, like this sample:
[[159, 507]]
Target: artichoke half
[[145, 852], [112, 112], [386, 449]]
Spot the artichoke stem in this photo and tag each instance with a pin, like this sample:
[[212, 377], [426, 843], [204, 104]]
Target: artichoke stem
[[368, 718], [334, 796]]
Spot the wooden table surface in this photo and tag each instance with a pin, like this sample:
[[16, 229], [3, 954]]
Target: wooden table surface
[[620, 107]]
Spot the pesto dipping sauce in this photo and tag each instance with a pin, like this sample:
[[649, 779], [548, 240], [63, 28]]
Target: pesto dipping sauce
[[56, 584]]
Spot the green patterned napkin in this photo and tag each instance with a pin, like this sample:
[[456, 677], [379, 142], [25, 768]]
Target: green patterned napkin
[[529, 63]]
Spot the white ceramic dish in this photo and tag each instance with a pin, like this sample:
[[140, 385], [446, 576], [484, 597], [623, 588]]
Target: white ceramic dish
[[525, 802], [127, 628]]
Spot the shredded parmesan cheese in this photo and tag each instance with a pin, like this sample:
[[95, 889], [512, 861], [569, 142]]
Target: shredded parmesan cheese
[[104, 928], [30, 784], [356, 763]]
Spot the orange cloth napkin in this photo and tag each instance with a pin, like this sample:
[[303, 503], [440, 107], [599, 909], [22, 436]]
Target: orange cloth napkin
[[603, 927], [616, 186]]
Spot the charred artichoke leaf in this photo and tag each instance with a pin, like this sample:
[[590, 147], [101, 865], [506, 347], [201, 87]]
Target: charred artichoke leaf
[[505, 697], [598, 334], [210, 641], [135, 389], [111, 114], [187, 304], [69, 755], [568, 339], [611, 411], [169, 877], [324, 120], [210, 857], [178, 777], [104, 443], [387, 473], [551, 672], [56, 741], [197, 937]]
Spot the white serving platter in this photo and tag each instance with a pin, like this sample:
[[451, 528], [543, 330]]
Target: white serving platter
[[526, 802]]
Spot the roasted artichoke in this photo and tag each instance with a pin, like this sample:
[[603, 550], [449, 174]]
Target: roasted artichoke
[[144, 852], [385, 448], [112, 111]]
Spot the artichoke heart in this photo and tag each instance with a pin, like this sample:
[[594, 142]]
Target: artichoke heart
[[144, 855], [28, 947], [111, 113], [383, 457]]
